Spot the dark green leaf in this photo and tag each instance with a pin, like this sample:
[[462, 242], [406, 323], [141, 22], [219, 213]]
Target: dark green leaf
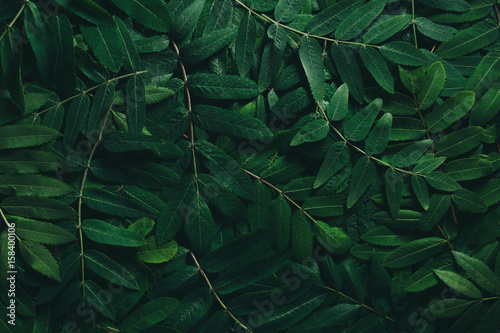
[[314, 131], [106, 44], [356, 128], [152, 14], [432, 85], [361, 18], [414, 252], [338, 107], [348, 68], [478, 271], [460, 142], [11, 56], [109, 269], [365, 172], [403, 53], [214, 86], [378, 68], [106, 233], [393, 190], [136, 103], [286, 10], [310, 54], [379, 136], [230, 123], [245, 43], [330, 18], [40, 259], [204, 47]]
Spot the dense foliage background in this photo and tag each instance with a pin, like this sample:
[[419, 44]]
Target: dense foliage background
[[259, 166]]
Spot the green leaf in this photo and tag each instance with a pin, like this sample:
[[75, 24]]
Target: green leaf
[[232, 123], [75, 119], [65, 75], [403, 53], [384, 236], [36, 185], [45, 233], [149, 314], [40, 259], [468, 168], [282, 169], [87, 10], [438, 206], [185, 22], [157, 94], [333, 239], [106, 44], [424, 278], [348, 68], [204, 47], [421, 191], [250, 272], [11, 57], [310, 54], [313, 131], [450, 111], [153, 254], [199, 227], [99, 300], [326, 317], [405, 128], [291, 314], [213, 86], [407, 219], [109, 269], [220, 16], [131, 60], [36, 207], [126, 141], [291, 104], [361, 18], [458, 283], [136, 103], [460, 142], [281, 216], [469, 40], [272, 56], [171, 217], [356, 128], [301, 236], [479, 272], [325, 206], [330, 18], [393, 190], [449, 307], [245, 43], [365, 172], [378, 68], [100, 106], [106, 233], [338, 107], [41, 40], [190, 311], [388, 28], [28, 161], [20, 136], [428, 166], [287, 10], [110, 203], [485, 74], [414, 252], [259, 215], [434, 30], [467, 319], [432, 85], [490, 192], [379, 136], [487, 107], [490, 321], [442, 181], [152, 14], [411, 154], [221, 197], [226, 169]]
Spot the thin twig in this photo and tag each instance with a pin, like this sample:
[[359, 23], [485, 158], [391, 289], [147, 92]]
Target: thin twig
[[14, 20], [212, 290]]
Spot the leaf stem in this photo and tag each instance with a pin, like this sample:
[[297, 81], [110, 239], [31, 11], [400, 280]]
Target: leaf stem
[[14, 20], [190, 111], [87, 91], [359, 303], [267, 19], [82, 187], [413, 21], [8, 224], [212, 290]]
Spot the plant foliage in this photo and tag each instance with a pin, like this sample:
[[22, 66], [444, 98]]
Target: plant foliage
[[250, 166]]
